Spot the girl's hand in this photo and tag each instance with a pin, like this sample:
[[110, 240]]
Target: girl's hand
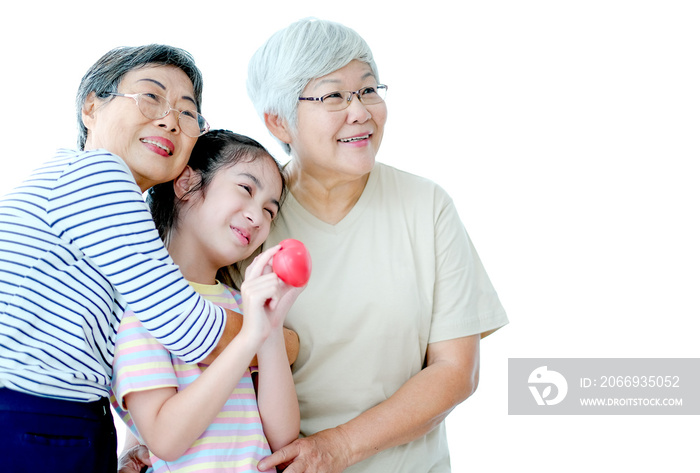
[[266, 298]]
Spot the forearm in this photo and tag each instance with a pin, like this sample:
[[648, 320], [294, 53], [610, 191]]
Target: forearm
[[170, 421], [418, 407], [234, 323], [277, 399], [451, 375], [291, 345]]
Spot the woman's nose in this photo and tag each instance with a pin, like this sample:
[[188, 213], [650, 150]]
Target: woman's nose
[[357, 111], [170, 121]]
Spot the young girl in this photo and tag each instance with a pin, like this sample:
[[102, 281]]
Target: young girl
[[196, 418]]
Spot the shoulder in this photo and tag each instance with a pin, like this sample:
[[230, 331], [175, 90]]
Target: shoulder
[[220, 294], [80, 157], [231, 292], [81, 171], [67, 162], [388, 175], [408, 188], [234, 296], [80, 176], [94, 160]]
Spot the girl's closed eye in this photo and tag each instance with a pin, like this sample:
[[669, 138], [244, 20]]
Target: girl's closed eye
[[272, 212]]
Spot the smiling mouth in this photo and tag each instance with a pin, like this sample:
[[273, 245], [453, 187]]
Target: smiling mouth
[[244, 235], [356, 138], [159, 145]]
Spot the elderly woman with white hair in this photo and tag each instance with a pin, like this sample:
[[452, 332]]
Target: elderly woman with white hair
[[398, 301]]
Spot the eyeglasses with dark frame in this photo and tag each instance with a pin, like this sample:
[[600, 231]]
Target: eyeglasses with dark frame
[[155, 107], [340, 99]]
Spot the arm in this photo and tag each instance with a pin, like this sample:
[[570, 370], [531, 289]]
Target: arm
[[451, 375], [277, 398], [169, 421], [97, 208], [234, 322]]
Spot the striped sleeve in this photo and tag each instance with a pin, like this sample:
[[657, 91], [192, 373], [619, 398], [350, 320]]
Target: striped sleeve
[[140, 362], [97, 206]]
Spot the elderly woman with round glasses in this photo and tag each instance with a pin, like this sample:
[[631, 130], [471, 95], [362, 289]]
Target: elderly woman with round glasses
[[77, 245], [391, 319]]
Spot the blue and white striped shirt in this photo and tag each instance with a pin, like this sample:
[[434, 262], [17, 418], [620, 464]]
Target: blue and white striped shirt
[[77, 244]]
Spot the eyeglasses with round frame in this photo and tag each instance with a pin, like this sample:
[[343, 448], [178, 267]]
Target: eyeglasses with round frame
[[155, 107], [340, 99]]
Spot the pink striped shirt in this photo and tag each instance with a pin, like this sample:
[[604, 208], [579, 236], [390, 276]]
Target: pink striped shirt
[[235, 441]]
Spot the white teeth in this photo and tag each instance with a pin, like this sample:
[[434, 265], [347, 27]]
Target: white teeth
[[157, 144], [357, 138]]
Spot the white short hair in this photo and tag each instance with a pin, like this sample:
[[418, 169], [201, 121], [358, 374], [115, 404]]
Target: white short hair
[[308, 49]]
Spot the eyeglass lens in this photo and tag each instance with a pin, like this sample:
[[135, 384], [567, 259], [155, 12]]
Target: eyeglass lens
[[341, 99], [154, 107]]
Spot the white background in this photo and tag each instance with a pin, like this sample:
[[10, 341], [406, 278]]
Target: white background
[[567, 133]]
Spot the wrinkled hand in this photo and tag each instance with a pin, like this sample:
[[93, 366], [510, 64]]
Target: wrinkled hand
[[134, 460], [327, 451]]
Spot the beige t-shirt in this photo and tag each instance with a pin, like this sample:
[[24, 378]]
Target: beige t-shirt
[[397, 273]]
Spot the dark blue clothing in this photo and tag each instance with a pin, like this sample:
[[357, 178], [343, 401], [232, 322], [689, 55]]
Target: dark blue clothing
[[39, 434]]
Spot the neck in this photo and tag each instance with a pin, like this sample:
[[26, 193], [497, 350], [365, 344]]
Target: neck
[[192, 266], [329, 198]]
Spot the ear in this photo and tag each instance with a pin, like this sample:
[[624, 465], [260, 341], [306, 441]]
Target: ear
[[88, 110], [278, 127], [184, 182]]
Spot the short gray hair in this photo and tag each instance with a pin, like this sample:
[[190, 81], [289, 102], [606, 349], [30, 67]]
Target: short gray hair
[[105, 75], [308, 49]]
